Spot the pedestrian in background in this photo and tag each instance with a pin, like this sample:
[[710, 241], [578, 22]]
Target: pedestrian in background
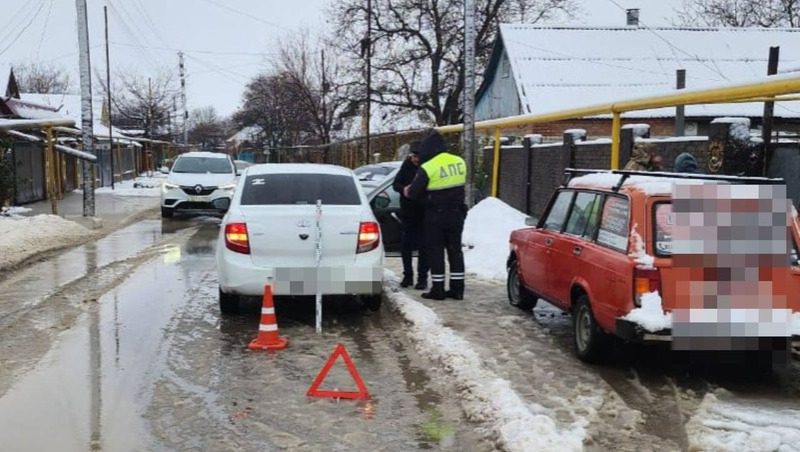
[[412, 214], [686, 163], [642, 158], [440, 183]]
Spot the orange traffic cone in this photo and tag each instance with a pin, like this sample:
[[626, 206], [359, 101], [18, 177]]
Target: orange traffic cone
[[268, 337]]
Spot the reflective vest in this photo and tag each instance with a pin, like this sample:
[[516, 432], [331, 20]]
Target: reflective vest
[[445, 171]]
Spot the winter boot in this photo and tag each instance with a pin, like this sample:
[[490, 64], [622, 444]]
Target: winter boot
[[436, 292], [408, 281], [422, 284], [456, 291]]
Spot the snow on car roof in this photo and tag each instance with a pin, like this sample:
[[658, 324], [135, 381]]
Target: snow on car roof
[[650, 185], [214, 155], [288, 168]]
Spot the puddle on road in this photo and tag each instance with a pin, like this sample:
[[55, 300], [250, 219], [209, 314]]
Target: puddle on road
[[91, 388]]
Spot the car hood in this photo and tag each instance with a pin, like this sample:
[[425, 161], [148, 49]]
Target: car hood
[[206, 180]]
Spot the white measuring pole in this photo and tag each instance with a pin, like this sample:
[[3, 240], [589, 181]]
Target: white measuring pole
[[319, 259]]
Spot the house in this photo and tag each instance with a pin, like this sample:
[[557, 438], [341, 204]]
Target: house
[[534, 70]]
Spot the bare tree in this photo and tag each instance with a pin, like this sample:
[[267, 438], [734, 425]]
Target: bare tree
[[143, 102], [418, 45], [42, 78], [317, 79], [206, 128], [741, 13], [270, 105]]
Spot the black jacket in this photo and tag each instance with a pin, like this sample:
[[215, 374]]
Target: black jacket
[[410, 209]]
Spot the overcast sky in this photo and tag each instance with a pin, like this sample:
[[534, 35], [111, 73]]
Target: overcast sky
[[226, 42]]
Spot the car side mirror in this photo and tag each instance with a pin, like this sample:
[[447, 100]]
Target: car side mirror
[[530, 221], [381, 201], [164, 170], [222, 204]]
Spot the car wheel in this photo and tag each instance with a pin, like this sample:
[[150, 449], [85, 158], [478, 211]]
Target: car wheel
[[590, 340], [167, 212], [228, 303], [373, 302], [518, 295]]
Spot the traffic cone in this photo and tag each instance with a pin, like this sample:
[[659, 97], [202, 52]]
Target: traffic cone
[[268, 337]]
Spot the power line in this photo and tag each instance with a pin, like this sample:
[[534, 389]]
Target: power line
[[44, 29], [249, 16], [15, 19], [24, 28], [207, 52]]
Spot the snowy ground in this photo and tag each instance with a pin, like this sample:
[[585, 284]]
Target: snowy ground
[[141, 186], [22, 237]]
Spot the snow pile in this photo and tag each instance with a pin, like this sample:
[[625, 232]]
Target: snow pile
[[486, 232], [739, 127], [23, 237], [722, 423], [140, 186], [639, 130], [796, 324], [577, 134], [651, 315], [513, 424], [13, 211], [639, 255]]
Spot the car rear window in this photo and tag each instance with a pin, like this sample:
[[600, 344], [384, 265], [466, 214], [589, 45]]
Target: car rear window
[[613, 231], [202, 165], [306, 188]]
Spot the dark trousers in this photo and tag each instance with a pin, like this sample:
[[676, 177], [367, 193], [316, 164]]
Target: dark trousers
[[443, 228], [412, 240]]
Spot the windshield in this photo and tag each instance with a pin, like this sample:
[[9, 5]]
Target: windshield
[[202, 165]]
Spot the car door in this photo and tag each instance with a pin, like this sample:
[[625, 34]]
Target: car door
[[386, 207], [535, 257], [568, 246]]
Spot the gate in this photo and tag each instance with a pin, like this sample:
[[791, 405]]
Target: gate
[[28, 172]]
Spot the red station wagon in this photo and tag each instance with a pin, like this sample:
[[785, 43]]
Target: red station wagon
[[603, 252]]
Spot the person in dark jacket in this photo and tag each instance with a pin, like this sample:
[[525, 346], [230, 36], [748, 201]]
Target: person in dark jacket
[[412, 216], [440, 183], [685, 163]]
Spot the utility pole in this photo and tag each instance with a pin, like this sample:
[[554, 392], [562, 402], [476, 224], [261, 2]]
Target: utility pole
[[680, 110], [183, 101], [87, 173], [366, 48], [324, 123], [469, 97], [769, 111], [108, 88]]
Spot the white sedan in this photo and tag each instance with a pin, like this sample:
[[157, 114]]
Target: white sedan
[[196, 181], [274, 232]]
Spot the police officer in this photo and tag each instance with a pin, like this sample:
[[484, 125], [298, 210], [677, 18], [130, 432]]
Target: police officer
[[440, 181], [412, 214]]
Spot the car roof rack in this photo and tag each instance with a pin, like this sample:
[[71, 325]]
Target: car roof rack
[[572, 172]]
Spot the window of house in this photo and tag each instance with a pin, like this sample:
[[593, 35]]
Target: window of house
[[558, 211], [613, 231]]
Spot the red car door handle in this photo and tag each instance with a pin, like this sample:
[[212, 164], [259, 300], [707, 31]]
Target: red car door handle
[[577, 250]]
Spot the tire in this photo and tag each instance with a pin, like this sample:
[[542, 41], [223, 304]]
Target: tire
[[590, 341], [167, 212], [372, 302], [228, 303], [518, 295]]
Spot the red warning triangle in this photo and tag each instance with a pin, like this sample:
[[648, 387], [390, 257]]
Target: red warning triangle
[[314, 390]]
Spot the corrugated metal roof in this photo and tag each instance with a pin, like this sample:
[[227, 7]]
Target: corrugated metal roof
[[557, 68]]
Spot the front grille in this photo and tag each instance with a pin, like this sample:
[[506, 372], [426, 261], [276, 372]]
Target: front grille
[[191, 205], [204, 192]]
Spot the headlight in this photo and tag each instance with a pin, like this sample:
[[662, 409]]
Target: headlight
[[168, 186], [227, 187]]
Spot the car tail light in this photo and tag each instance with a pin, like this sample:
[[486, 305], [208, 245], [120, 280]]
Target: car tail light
[[645, 280], [369, 237], [236, 238]]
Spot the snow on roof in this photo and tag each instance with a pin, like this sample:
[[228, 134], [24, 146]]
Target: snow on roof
[[557, 68], [204, 154], [650, 185], [247, 134], [69, 105], [289, 168]]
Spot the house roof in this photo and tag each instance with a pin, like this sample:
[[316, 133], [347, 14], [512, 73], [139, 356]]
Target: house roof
[[557, 68], [68, 105]]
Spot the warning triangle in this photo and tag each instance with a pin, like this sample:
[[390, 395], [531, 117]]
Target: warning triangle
[[314, 390]]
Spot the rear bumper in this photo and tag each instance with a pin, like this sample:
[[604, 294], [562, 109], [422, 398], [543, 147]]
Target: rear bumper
[[238, 275], [633, 332]]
